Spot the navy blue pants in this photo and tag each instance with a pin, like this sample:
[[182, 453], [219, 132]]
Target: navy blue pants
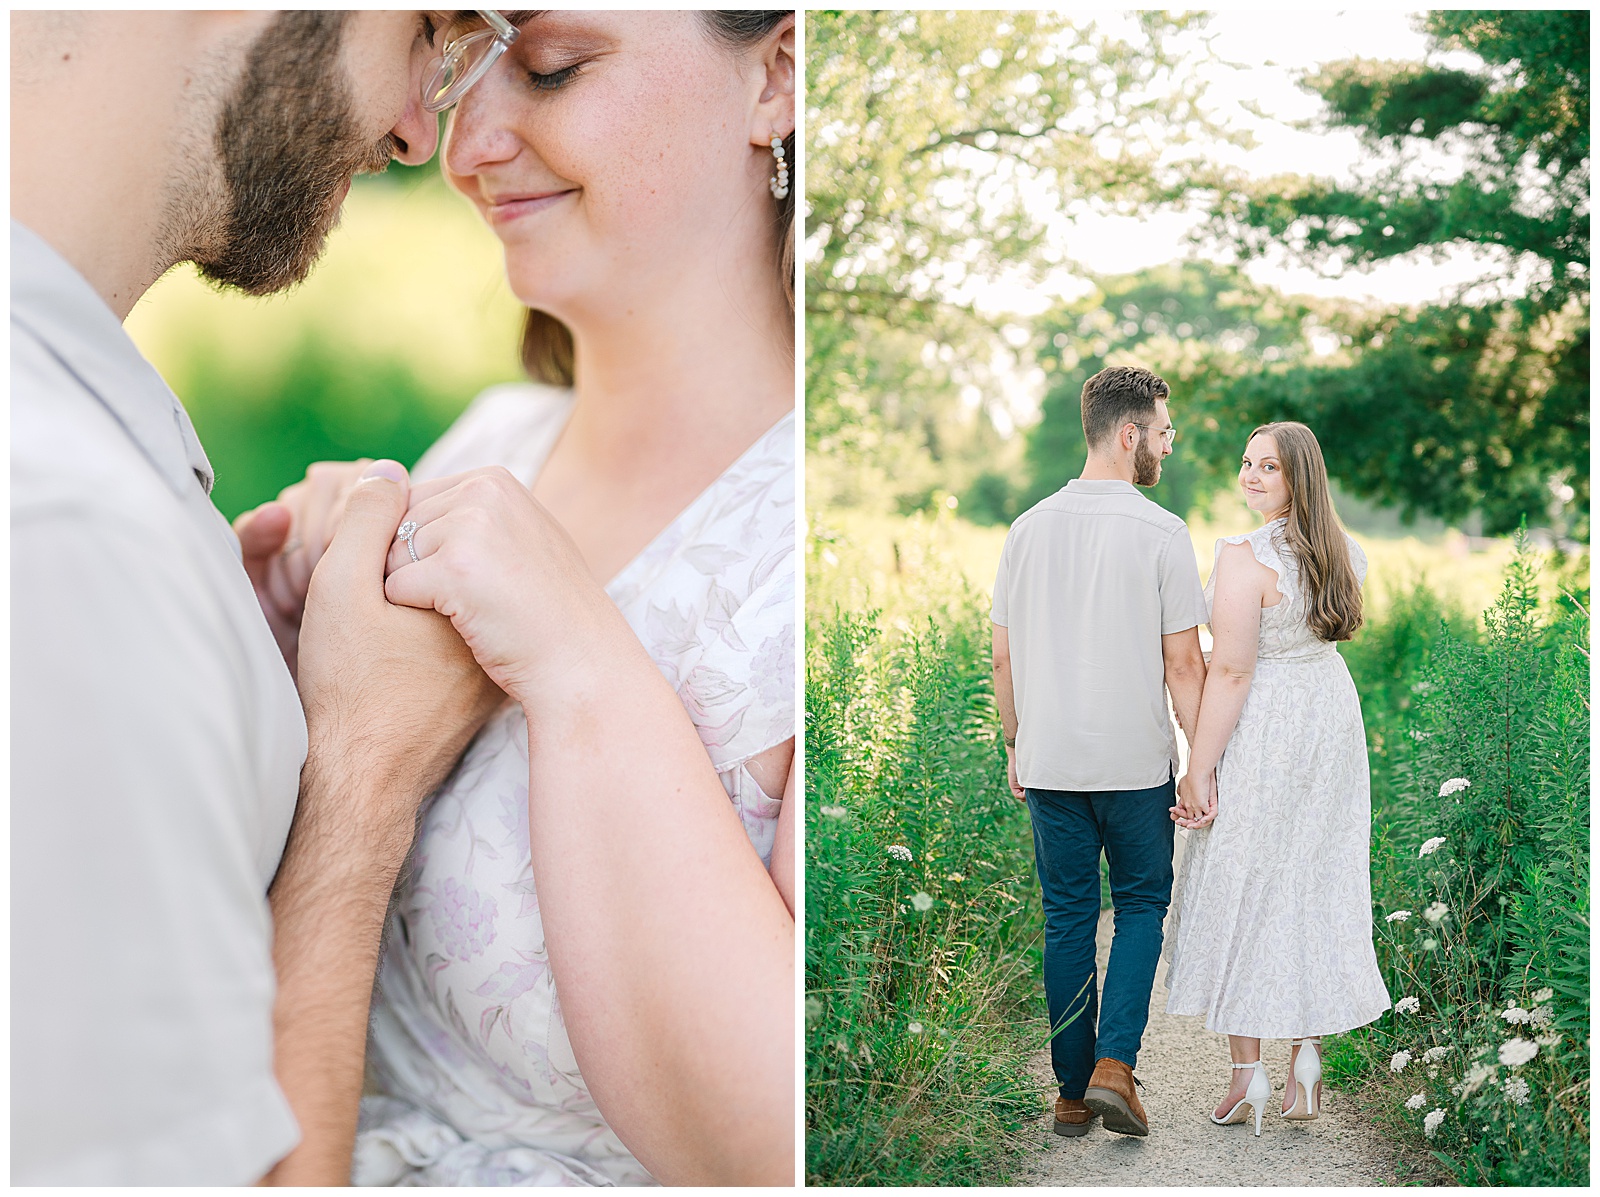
[[1070, 830]]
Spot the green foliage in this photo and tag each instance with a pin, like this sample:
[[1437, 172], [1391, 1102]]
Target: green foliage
[[1476, 403], [261, 431], [931, 137], [1495, 947], [921, 941]]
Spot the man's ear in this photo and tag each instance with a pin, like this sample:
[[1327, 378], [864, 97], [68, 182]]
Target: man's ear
[[774, 112]]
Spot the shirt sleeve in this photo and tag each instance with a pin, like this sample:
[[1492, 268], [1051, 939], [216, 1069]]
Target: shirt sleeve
[[997, 605], [142, 981], [1183, 602]]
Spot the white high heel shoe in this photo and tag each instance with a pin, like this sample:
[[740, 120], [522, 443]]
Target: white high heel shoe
[[1303, 1080], [1256, 1095]]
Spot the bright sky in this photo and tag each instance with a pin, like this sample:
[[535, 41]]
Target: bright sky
[[1269, 50]]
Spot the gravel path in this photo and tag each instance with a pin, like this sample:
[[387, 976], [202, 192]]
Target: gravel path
[[1185, 1070]]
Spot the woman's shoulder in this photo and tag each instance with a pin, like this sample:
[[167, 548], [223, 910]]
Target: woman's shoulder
[[512, 424]]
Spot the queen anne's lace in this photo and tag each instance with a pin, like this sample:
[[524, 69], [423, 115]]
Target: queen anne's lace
[[1271, 925]]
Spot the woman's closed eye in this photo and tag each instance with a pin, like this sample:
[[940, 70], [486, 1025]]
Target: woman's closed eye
[[554, 79]]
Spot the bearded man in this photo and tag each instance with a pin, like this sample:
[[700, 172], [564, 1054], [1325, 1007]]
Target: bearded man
[[173, 1022], [1096, 615]]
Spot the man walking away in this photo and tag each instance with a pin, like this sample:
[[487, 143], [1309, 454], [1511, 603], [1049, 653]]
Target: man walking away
[[1096, 612]]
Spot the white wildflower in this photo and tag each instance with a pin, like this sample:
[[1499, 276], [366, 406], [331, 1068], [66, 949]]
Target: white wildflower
[[1418, 735], [915, 1028], [900, 852], [1434, 1054], [921, 901], [1397, 916], [1429, 847], [1416, 1101], [1430, 945], [1399, 1060], [834, 812], [1540, 1015], [1475, 1079], [1548, 1040], [1454, 785], [1436, 912], [1516, 1016], [1433, 1072], [813, 1008], [1543, 996], [1408, 1005], [1430, 1124], [1518, 1051], [1518, 1091]]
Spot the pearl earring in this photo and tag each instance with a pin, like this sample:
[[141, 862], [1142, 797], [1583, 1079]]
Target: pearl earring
[[779, 183]]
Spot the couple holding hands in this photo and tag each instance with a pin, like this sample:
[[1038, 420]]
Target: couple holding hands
[[1097, 607], [525, 715]]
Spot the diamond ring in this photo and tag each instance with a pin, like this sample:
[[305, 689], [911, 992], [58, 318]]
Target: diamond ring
[[407, 533]]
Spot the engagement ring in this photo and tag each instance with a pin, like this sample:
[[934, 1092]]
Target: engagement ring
[[407, 531]]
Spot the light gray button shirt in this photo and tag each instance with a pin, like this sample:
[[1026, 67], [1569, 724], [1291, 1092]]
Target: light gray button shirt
[[156, 748], [1090, 580]]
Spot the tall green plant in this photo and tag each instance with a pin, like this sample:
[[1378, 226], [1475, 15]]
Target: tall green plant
[[1481, 880]]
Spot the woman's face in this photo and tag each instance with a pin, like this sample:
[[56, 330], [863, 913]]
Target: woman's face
[[610, 152], [1261, 477]]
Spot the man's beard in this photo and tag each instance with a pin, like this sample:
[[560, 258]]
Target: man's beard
[[288, 143], [1146, 465]]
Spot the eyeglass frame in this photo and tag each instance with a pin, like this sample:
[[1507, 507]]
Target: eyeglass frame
[[1168, 434], [505, 35]]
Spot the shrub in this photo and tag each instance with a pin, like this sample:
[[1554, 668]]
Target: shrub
[[921, 940], [1481, 812]]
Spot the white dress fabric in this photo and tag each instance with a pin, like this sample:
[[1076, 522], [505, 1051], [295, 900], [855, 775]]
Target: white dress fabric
[[1271, 923], [475, 1079]]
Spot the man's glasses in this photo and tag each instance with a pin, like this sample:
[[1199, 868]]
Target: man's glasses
[[1167, 434], [466, 60]]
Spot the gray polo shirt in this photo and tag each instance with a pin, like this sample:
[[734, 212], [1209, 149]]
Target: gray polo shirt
[[1090, 580], [156, 747]]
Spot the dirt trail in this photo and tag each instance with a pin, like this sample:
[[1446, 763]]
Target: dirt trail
[[1184, 1069]]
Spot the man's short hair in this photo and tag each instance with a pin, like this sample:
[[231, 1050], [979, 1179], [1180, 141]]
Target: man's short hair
[[1117, 395]]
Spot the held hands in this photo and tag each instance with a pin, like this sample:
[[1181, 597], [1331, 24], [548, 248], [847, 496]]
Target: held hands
[[391, 694], [1197, 800], [507, 575], [283, 540]]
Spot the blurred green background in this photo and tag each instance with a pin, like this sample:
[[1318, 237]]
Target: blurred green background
[[406, 317]]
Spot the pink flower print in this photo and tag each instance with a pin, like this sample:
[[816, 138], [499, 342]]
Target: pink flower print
[[463, 921]]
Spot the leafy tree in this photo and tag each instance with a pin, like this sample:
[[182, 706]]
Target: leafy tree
[[1470, 404], [940, 146]]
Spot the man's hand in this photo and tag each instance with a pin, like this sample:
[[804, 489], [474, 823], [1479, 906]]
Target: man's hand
[[1017, 791], [283, 540], [391, 693], [392, 696]]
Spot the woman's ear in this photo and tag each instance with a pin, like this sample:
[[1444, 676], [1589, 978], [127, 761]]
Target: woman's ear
[[774, 114]]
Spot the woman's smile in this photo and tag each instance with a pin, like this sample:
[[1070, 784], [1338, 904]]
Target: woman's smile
[[503, 209]]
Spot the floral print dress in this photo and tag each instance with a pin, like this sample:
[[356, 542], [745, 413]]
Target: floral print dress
[[1270, 934], [472, 1080]]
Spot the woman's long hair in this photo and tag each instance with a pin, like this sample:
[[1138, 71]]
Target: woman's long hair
[[547, 349], [1314, 534]]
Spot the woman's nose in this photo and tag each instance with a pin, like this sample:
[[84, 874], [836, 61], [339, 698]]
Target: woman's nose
[[479, 134]]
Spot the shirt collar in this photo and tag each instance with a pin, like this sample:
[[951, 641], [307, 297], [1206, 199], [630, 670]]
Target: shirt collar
[[56, 304], [1101, 486]]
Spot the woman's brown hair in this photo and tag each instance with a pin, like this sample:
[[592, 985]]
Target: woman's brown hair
[[547, 349], [1314, 534]]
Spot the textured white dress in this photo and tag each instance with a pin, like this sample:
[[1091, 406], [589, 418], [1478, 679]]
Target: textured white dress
[[1270, 932], [476, 1080]]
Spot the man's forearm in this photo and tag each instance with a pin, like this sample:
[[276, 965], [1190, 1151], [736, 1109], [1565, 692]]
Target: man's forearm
[[1005, 699], [329, 901], [1185, 687]]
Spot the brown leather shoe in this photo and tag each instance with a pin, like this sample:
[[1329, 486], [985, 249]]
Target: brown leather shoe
[[1073, 1118], [1111, 1095]]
